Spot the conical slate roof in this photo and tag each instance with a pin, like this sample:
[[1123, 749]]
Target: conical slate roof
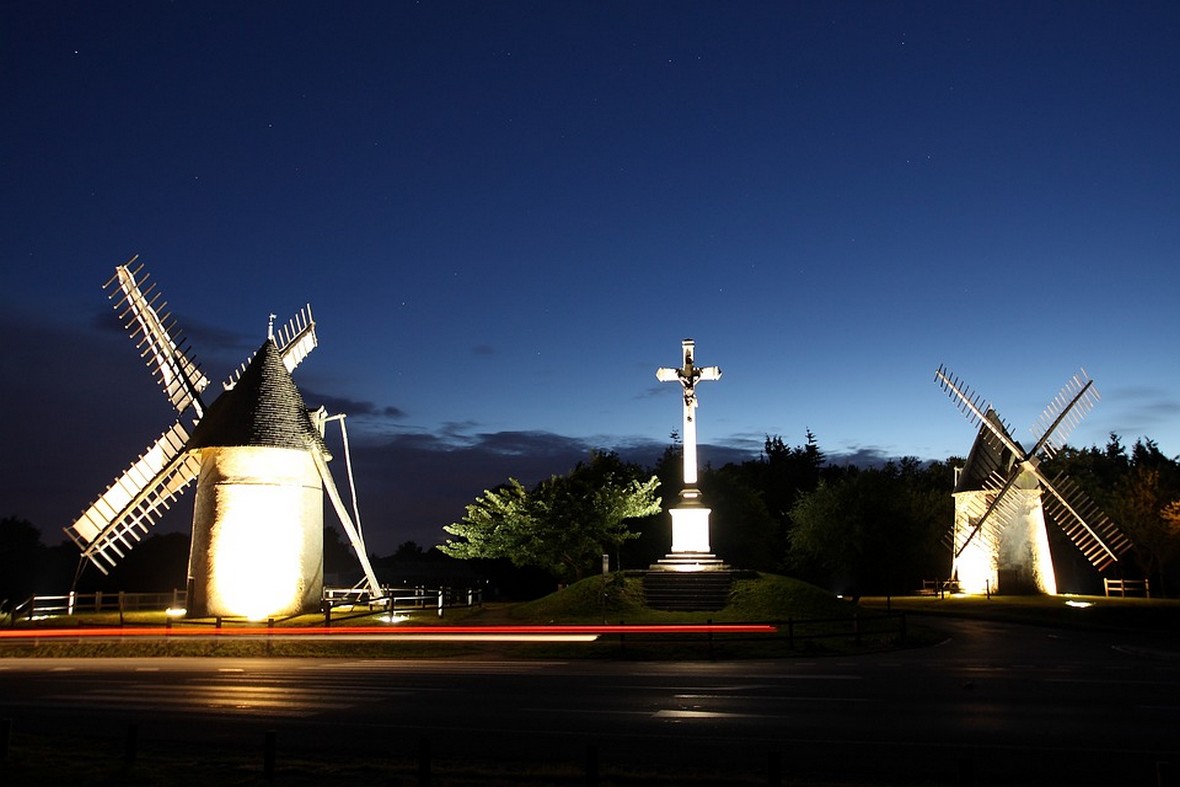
[[264, 408], [988, 455]]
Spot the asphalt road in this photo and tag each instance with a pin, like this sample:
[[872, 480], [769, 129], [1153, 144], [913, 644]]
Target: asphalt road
[[993, 704]]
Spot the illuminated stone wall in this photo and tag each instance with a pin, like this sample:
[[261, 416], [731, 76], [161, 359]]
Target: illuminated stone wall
[[977, 568], [1014, 557], [257, 543]]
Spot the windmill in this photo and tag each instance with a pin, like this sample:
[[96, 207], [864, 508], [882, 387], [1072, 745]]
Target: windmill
[[1002, 496], [259, 459]]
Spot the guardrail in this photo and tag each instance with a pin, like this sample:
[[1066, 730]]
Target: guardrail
[[1125, 587], [397, 599], [71, 603], [393, 600], [938, 587]]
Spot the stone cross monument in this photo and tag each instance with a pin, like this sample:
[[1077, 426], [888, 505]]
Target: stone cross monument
[[690, 519]]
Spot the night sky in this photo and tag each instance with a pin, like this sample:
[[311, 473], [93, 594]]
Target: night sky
[[506, 216]]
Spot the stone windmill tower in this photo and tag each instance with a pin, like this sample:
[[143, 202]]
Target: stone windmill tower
[[1003, 498], [258, 457]]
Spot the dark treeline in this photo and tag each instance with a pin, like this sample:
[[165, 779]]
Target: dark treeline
[[850, 529], [847, 528], [884, 529]]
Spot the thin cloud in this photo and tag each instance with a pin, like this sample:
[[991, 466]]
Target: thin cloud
[[352, 407]]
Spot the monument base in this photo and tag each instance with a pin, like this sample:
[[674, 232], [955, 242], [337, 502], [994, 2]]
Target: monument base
[[689, 561], [690, 528]]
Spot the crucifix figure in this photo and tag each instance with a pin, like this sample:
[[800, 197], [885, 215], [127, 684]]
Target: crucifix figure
[[688, 376], [690, 519]]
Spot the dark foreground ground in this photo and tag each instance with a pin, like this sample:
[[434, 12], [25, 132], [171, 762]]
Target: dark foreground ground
[[1054, 699]]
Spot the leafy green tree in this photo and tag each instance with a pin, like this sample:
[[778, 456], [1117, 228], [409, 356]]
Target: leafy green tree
[[873, 529], [564, 524]]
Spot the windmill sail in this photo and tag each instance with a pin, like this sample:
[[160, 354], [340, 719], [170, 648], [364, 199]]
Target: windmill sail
[[177, 372], [136, 500], [295, 340], [1092, 531], [989, 467], [1063, 414]]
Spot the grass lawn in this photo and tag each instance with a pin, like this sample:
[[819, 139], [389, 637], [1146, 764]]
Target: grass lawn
[[810, 621]]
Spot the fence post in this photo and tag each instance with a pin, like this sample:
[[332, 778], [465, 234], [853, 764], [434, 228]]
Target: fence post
[[69, 604], [440, 602]]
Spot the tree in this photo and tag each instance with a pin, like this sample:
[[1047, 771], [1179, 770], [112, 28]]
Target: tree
[[340, 561], [873, 529], [20, 554], [1139, 508], [408, 549], [1134, 489], [742, 530], [563, 524]]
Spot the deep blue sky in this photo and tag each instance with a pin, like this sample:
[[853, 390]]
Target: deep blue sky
[[507, 215]]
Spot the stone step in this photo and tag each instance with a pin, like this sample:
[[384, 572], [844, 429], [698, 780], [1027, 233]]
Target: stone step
[[687, 590]]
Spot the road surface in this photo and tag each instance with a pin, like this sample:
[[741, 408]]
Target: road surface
[[993, 704]]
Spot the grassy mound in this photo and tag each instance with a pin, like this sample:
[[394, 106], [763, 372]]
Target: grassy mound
[[768, 597]]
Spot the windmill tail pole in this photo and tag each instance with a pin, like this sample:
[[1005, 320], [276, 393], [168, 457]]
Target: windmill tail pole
[[82, 561], [354, 536]]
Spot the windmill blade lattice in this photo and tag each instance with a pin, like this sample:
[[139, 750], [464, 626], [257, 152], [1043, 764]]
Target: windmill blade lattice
[[178, 373], [976, 409], [989, 517], [1091, 530], [136, 500], [295, 340], [1064, 413]]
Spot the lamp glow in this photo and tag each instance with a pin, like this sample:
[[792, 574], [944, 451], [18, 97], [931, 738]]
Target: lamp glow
[[257, 533]]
